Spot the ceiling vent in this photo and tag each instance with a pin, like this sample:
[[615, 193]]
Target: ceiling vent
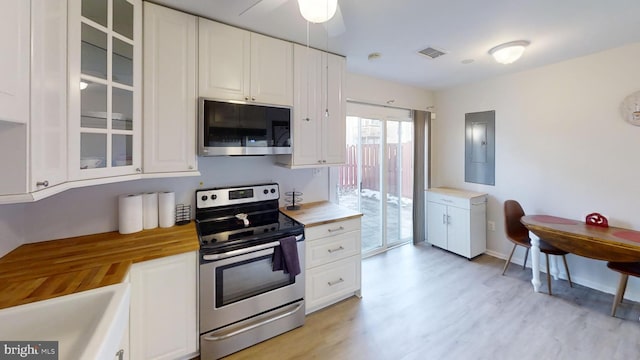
[[432, 52]]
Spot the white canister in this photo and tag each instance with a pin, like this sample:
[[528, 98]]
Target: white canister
[[167, 209]]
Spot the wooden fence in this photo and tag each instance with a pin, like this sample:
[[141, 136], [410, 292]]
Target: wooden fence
[[348, 177]]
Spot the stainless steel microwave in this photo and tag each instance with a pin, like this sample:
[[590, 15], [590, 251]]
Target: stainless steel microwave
[[239, 128]]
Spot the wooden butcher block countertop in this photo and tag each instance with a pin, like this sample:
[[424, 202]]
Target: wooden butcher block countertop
[[319, 213], [49, 269]]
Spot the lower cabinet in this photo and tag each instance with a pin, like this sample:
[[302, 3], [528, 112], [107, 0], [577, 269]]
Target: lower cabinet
[[163, 319], [456, 221], [333, 259]]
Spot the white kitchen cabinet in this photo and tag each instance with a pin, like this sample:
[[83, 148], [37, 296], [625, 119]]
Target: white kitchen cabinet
[[170, 90], [48, 123], [236, 64], [14, 62], [319, 113], [456, 221], [34, 154], [333, 263], [105, 82], [163, 320]]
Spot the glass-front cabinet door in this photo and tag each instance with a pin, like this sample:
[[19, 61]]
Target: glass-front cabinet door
[[104, 88]]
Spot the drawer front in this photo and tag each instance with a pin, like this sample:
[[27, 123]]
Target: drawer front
[[334, 228], [332, 248], [328, 283], [448, 200]]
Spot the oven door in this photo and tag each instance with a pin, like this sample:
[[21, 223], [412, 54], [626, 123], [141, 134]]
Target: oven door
[[242, 284]]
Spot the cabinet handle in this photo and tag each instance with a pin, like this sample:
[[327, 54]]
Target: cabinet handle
[[338, 229], [448, 219], [43, 183], [120, 354], [331, 251], [444, 218], [331, 283]]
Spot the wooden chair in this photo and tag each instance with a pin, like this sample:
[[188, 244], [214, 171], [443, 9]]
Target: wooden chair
[[519, 235], [625, 269]]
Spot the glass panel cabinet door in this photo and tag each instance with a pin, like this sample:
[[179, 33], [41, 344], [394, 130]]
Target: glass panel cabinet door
[[105, 105]]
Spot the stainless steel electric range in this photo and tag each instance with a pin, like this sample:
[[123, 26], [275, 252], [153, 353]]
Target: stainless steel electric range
[[243, 301]]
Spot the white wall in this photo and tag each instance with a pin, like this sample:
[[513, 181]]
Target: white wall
[[375, 91], [562, 147]]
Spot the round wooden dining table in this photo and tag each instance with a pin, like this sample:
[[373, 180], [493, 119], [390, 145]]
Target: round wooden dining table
[[579, 238]]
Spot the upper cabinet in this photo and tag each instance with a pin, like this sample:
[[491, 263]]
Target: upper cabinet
[[33, 154], [14, 64], [235, 64], [105, 78], [48, 123], [170, 90], [319, 113]]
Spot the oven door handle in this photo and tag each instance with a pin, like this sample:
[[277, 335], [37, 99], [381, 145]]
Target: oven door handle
[[253, 326], [246, 251]]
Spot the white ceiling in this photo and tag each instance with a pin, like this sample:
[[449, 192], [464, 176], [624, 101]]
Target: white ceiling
[[465, 29]]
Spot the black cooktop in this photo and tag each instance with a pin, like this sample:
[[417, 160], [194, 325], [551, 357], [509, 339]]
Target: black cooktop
[[228, 219]]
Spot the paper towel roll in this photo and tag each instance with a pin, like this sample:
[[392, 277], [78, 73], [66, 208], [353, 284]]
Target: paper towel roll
[[150, 210], [129, 214], [167, 209]]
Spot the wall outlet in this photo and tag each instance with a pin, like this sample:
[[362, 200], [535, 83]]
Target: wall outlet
[[491, 225]]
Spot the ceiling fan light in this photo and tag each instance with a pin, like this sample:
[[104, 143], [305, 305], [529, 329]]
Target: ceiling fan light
[[509, 52], [318, 11]]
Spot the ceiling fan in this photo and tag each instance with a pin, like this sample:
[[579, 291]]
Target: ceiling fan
[[334, 27]]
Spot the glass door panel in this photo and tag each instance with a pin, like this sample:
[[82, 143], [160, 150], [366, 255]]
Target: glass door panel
[[93, 150], [122, 148], [93, 105], [370, 184], [106, 84], [123, 18], [93, 52], [122, 116], [379, 144], [399, 181], [122, 62]]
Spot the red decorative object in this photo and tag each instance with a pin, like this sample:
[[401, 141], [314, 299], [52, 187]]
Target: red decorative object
[[596, 219]]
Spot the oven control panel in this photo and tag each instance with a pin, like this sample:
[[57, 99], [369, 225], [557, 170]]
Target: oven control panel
[[238, 195]]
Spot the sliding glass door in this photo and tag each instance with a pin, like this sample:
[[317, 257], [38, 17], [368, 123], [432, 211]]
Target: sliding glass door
[[377, 179]]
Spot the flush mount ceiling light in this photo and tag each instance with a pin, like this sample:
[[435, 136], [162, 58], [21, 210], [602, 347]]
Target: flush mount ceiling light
[[509, 52], [318, 11]]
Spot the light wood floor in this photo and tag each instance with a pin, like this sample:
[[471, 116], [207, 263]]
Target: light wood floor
[[420, 302]]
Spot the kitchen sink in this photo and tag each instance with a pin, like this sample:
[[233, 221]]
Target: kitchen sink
[[87, 325]]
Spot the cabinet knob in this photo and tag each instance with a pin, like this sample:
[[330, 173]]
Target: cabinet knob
[[138, 170], [253, 99], [43, 183], [246, 98], [190, 167], [319, 161], [306, 119], [120, 354], [324, 161]]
